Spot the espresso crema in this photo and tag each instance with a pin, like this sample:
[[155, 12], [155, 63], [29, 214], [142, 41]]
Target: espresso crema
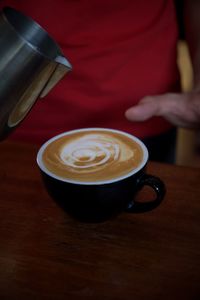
[[90, 156]]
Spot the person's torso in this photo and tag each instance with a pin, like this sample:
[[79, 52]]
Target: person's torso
[[120, 51]]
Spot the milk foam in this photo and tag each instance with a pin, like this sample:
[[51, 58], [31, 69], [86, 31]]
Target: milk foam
[[96, 155], [90, 151]]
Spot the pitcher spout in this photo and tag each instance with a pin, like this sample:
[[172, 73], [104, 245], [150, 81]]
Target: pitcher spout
[[62, 66], [63, 61]]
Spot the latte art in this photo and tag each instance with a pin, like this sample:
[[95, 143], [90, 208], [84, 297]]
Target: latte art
[[89, 153], [95, 155]]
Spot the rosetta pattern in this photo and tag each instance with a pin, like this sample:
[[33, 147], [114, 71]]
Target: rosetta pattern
[[90, 153]]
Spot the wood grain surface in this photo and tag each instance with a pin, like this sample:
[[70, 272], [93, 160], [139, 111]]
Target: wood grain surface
[[46, 255]]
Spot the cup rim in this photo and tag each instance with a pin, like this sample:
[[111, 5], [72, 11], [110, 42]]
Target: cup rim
[[99, 182]]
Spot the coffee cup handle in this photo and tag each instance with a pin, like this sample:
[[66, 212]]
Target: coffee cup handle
[[157, 185]]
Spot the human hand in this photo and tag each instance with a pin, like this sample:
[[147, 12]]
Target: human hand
[[182, 110]]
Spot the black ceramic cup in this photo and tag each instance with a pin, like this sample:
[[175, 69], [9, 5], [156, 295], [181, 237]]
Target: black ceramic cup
[[97, 200]]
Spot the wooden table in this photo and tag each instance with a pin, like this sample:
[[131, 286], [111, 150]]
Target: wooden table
[[46, 255]]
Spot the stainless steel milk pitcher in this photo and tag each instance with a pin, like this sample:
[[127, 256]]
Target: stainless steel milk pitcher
[[31, 63]]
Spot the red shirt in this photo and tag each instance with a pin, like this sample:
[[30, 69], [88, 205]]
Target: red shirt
[[120, 51]]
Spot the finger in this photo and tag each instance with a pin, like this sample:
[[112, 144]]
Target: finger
[[144, 110]]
